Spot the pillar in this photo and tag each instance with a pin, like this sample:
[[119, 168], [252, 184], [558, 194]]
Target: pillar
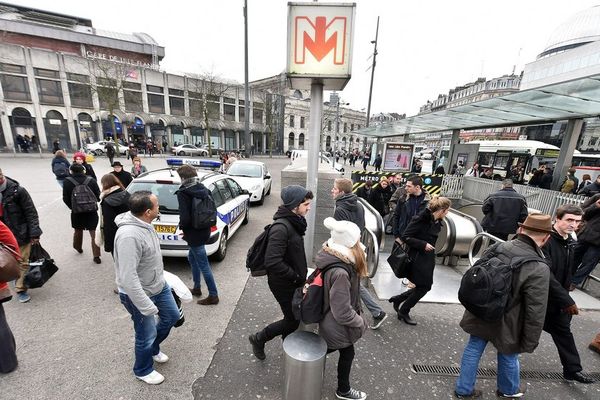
[[567, 148]]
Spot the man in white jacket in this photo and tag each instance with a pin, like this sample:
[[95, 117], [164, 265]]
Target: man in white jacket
[[142, 287]]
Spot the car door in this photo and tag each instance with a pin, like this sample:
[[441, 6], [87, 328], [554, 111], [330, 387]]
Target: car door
[[268, 180], [238, 213], [229, 204]]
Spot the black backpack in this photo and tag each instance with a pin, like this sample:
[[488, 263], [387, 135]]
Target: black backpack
[[255, 259], [83, 200], [204, 212], [309, 299], [486, 287]]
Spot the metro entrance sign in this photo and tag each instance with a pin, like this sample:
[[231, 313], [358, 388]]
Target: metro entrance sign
[[320, 44]]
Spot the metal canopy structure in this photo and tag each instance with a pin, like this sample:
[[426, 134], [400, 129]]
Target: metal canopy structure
[[574, 99]]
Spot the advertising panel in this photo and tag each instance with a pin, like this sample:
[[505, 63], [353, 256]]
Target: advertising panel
[[397, 157]]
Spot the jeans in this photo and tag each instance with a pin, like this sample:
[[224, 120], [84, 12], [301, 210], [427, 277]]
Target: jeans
[[590, 259], [149, 333], [371, 305], [508, 379], [199, 263]]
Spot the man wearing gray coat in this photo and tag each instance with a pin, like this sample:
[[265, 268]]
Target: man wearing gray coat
[[519, 329]]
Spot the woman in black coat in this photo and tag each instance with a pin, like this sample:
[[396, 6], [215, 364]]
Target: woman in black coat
[[380, 196], [86, 220], [420, 236], [285, 263], [113, 201]]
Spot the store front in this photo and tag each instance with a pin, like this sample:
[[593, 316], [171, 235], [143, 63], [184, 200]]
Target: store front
[[87, 129], [107, 129], [56, 127], [23, 126], [230, 143], [137, 130]]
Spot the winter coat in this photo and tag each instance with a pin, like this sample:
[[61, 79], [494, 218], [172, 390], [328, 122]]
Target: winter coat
[[89, 171], [570, 184], [590, 232], [406, 208], [560, 254], [185, 195], [379, 199], [7, 238], [60, 168], [19, 213], [364, 193], [546, 181], [583, 184], [110, 150], [377, 162], [123, 176], [342, 324], [440, 170], [87, 220], [591, 189], [397, 194], [347, 208], [285, 260], [421, 230], [139, 265], [503, 211], [113, 204], [520, 328]]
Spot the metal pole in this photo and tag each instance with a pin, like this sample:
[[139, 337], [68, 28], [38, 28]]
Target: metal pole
[[337, 129], [312, 172], [247, 147], [372, 72]]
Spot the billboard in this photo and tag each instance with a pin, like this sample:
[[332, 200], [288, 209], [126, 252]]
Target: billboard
[[397, 157]]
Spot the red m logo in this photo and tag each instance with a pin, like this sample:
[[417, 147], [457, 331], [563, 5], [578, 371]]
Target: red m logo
[[320, 38]]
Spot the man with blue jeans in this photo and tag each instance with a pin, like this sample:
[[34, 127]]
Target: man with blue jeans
[[519, 329], [141, 283], [191, 188]]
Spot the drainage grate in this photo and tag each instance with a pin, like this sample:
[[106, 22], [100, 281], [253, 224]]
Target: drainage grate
[[490, 373]]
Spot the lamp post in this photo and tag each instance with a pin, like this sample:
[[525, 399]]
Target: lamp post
[[336, 98]]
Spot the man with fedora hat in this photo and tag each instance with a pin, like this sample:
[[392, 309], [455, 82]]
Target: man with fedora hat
[[124, 176], [519, 329]]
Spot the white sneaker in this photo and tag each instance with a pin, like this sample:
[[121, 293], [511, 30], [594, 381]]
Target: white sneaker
[[153, 378], [161, 357]]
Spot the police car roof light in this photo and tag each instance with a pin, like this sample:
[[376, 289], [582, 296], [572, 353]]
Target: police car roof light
[[175, 162]]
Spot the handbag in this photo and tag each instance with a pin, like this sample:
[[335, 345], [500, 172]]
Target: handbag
[[9, 263], [41, 267], [399, 260]]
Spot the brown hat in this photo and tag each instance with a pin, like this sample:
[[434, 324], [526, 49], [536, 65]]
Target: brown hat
[[538, 222]]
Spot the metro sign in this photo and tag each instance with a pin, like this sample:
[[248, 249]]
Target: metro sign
[[320, 44]]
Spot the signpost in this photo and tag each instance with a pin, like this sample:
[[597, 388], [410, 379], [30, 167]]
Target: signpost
[[319, 54]]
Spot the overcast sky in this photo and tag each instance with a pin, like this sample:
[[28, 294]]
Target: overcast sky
[[425, 47]]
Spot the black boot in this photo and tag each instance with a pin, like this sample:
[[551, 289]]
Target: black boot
[[258, 346], [398, 299]]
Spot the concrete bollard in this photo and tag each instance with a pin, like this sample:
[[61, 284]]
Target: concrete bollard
[[305, 354]]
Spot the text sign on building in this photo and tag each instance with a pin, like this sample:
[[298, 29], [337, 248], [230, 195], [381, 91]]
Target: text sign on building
[[320, 44]]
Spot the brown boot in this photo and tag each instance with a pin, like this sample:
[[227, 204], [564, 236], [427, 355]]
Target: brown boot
[[196, 292], [595, 345], [210, 300]]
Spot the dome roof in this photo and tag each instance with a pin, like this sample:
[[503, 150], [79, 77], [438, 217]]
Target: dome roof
[[581, 28]]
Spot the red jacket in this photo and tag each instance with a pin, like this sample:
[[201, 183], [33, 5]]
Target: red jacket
[[7, 237]]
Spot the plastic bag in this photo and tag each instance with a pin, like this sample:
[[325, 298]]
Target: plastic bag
[[41, 267]]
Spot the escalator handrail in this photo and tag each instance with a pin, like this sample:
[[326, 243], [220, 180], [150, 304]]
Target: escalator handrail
[[375, 252], [474, 241], [378, 217]]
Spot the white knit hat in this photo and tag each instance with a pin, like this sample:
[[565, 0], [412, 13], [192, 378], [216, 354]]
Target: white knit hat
[[344, 233]]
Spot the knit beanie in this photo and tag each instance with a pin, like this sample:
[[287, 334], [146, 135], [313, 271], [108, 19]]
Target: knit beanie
[[293, 195], [344, 233]]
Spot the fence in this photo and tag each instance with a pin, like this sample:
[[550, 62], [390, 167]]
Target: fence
[[478, 189]]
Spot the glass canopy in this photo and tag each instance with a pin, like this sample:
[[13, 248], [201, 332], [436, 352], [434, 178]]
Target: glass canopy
[[579, 98]]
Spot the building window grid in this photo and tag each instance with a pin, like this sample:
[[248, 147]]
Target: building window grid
[[49, 91]]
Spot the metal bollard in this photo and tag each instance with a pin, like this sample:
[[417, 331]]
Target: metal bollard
[[305, 354]]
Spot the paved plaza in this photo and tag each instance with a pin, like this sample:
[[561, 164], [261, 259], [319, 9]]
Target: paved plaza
[[75, 339]]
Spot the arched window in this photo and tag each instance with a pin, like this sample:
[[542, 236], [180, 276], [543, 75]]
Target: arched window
[[53, 114], [301, 141], [21, 117], [291, 141]]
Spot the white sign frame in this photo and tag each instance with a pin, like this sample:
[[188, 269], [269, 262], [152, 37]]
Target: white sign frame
[[398, 157]]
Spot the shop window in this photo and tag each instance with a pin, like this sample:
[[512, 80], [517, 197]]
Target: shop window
[[175, 92], [78, 78], [195, 108], [176, 105], [81, 95], [45, 73], [154, 89], [50, 92], [156, 103], [133, 101], [229, 112], [15, 87]]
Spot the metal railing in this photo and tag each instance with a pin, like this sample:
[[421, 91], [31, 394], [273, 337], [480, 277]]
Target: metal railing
[[452, 187], [476, 249]]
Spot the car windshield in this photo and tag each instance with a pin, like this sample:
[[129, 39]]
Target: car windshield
[[241, 169], [167, 199]]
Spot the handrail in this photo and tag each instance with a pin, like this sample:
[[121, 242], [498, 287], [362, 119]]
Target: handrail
[[483, 236], [378, 217], [369, 239]]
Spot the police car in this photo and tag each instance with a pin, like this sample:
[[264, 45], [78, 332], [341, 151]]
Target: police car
[[231, 200]]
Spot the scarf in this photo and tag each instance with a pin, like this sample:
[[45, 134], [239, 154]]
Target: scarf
[[297, 221]]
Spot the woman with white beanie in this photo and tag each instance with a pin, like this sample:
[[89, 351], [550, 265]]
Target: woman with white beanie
[[342, 324]]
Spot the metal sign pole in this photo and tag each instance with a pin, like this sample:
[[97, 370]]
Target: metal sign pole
[[312, 172]]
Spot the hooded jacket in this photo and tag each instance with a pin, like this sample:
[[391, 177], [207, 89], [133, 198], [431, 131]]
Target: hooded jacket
[[189, 190], [113, 204], [342, 324], [19, 213], [503, 211], [138, 262], [347, 208], [520, 328]]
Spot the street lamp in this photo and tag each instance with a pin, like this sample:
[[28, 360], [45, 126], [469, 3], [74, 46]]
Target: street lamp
[[336, 98]]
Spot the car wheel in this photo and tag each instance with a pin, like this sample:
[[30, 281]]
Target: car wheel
[[247, 217], [222, 250], [262, 199], [269, 191], [181, 153], [98, 152]]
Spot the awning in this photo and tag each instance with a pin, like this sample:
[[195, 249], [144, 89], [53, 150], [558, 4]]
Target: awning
[[103, 115], [169, 120], [189, 122], [579, 98]]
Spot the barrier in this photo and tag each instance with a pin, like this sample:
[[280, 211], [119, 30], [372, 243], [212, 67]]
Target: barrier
[[431, 183], [452, 187], [305, 355]]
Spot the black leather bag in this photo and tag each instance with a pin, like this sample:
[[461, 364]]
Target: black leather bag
[[399, 260], [41, 267]]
